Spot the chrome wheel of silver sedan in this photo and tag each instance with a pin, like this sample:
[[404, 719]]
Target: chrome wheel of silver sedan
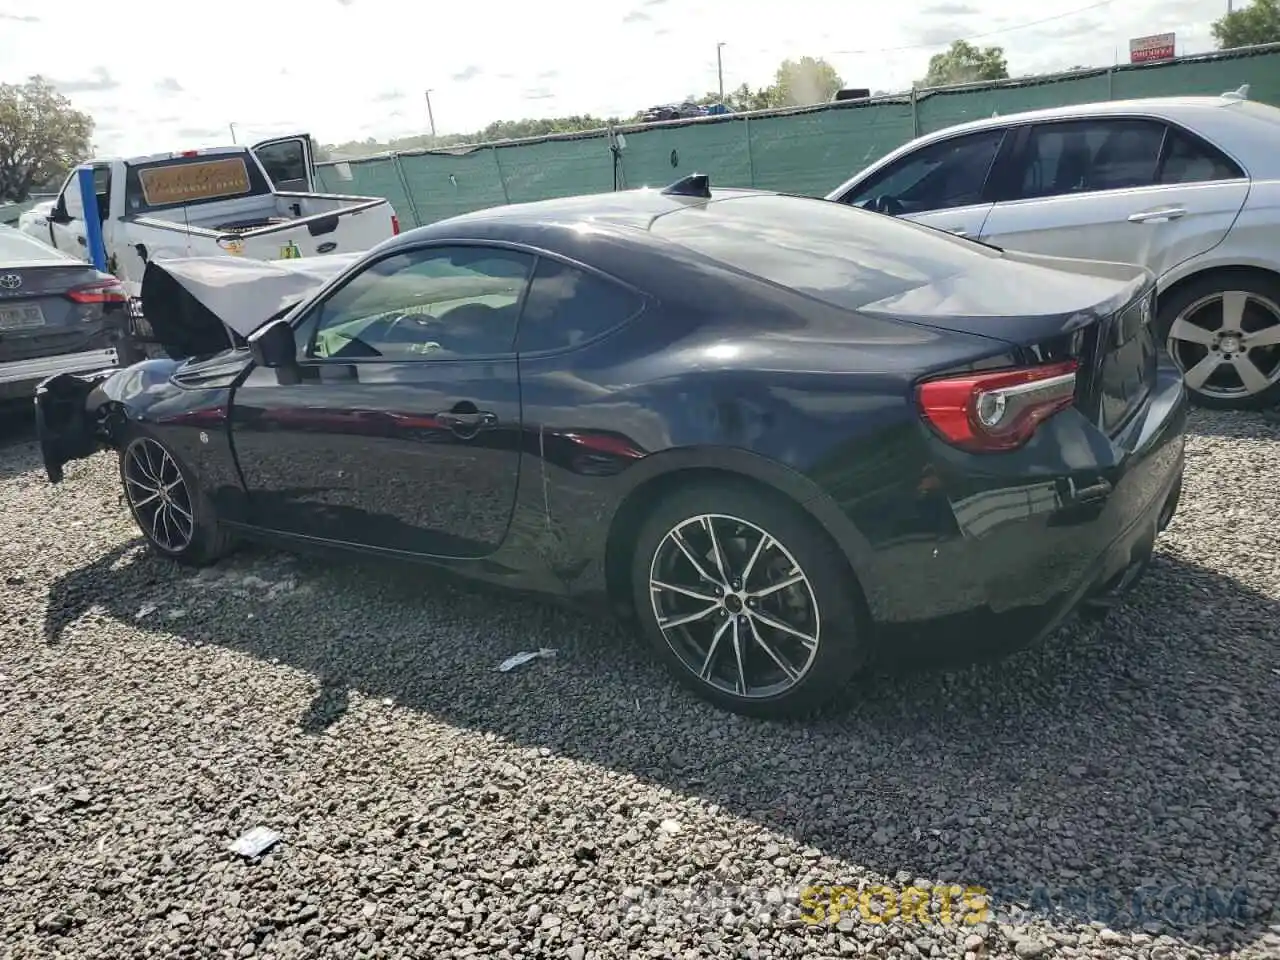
[[734, 606], [1227, 344], [158, 495]]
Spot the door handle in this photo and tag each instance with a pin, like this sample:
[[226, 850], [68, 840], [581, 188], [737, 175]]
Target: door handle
[[467, 420], [1163, 215], [959, 232]]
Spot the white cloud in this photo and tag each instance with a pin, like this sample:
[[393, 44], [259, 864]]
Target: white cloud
[[355, 68]]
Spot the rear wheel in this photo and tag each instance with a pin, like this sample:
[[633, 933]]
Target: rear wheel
[[746, 600], [1223, 332], [168, 506]]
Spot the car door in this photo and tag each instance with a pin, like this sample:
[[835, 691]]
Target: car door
[[289, 162], [944, 184], [1127, 189], [403, 429], [67, 233]]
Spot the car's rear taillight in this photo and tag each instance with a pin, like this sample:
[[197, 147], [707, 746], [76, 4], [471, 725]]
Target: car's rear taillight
[[101, 291], [998, 410], [395, 225]]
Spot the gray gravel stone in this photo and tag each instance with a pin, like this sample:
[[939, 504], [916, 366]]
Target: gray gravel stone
[[432, 807]]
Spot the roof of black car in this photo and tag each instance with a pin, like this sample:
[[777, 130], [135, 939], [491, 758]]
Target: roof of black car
[[625, 208]]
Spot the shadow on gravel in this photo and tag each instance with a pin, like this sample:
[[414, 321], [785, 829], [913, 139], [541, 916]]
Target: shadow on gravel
[[1129, 752], [18, 427], [1239, 425]]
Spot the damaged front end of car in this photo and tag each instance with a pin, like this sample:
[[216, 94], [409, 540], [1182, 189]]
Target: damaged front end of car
[[196, 309], [80, 414]]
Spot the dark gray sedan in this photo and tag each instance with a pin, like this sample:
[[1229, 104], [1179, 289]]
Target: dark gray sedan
[[57, 315]]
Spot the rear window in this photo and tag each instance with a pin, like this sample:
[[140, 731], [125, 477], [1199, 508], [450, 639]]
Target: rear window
[[185, 181], [830, 251]]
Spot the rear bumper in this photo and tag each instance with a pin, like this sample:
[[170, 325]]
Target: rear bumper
[[1023, 556], [18, 378]]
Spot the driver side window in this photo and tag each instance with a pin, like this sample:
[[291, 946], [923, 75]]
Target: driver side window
[[441, 303], [950, 173]]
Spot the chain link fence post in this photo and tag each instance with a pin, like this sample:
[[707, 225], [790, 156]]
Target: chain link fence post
[[502, 177], [404, 185]]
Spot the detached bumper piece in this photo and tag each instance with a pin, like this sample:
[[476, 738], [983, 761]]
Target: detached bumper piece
[[67, 429], [41, 368]]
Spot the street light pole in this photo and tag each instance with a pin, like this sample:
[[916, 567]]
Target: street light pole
[[431, 117], [233, 132], [720, 69]]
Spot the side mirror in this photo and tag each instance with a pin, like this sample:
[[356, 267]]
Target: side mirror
[[274, 346]]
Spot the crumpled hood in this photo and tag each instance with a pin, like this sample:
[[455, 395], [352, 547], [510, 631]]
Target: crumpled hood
[[201, 305]]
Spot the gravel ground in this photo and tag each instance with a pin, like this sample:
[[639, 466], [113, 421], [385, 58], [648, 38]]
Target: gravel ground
[[583, 807]]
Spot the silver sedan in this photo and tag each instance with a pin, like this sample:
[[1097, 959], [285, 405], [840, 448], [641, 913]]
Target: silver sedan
[[1186, 186]]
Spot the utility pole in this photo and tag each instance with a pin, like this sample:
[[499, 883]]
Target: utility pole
[[720, 69], [431, 117]]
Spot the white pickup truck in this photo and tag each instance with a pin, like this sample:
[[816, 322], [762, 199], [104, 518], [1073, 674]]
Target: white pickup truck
[[236, 201]]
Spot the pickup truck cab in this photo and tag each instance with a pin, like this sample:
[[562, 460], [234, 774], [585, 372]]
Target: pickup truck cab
[[256, 202]]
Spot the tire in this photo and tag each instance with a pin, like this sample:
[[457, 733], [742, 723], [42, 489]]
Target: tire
[[187, 532], [823, 606], [1189, 327]]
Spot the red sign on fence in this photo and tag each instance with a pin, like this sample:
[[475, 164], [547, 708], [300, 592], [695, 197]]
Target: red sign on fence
[[1160, 46]]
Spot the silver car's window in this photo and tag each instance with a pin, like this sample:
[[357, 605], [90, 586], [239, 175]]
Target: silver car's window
[[1081, 156], [950, 173], [1188, 159]]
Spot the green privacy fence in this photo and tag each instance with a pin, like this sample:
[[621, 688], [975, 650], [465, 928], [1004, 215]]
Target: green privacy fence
[[807, 150]]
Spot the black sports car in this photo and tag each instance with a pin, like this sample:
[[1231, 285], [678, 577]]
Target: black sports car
[[783, 434]]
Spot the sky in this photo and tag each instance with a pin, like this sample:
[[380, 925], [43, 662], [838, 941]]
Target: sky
[[159, 76]]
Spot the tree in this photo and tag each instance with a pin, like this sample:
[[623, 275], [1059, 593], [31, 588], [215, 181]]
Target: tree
[[965, 63], [796, 83], [41, 136], [1257, 23], [804, 81]]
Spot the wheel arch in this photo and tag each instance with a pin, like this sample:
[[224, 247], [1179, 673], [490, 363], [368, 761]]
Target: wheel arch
[[663, 473], [1167, 293]]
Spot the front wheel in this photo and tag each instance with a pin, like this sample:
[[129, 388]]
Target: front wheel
[[167, 504], [1223, 333], [746, 600]]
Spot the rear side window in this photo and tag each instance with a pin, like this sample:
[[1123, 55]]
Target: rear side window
[[951, 173], [829, 251], [1081, 156], [567, 306], [1188, 159]]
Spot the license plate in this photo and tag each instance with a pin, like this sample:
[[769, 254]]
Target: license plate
[[21, 318]]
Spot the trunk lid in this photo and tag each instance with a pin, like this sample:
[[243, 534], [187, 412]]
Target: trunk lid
[[38, 319], [1096, 313]]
